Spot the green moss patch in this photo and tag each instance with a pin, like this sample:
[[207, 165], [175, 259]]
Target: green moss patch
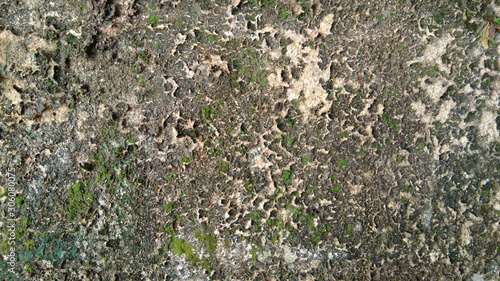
[[80, 199], [208, 239], [181, 246]]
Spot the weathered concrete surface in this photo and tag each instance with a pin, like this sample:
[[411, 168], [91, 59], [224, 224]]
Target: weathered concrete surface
[[250, 140]]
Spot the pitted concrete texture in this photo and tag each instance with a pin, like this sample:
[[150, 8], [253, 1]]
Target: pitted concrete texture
[[251, 140]]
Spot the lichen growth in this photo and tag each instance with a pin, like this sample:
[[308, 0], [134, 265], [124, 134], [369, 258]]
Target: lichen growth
[[80, 199]]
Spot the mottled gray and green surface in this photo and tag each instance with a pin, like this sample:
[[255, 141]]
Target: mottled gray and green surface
[[251, 140]]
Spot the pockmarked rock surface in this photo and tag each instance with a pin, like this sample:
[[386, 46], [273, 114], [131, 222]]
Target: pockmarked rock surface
[[249, 140]]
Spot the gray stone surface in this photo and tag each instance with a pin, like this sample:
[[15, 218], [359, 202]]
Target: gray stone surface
[[250, 140]]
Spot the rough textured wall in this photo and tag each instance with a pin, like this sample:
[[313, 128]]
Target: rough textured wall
[[250, 140]]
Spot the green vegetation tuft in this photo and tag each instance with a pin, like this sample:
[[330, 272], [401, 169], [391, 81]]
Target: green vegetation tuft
[[79, 200], [170, 230], [315, 239], [181, 246], [213, 38], [253, 252], [29, 244], [19, 200], [223, 166], [287, 176], [310, 221], [5, 192], [391, 122], [348, 228], [206, 264], [256, 215], [208, 239], [306, 6], [207, 112], [284, 13], [170, 206], [247, 66], [421, 145], [153, 20], [142, 82], [142, 55], [117, 151], [274, 237], [102, 174], [28, 267], [134, 68], [185, 159], [336, 187]]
